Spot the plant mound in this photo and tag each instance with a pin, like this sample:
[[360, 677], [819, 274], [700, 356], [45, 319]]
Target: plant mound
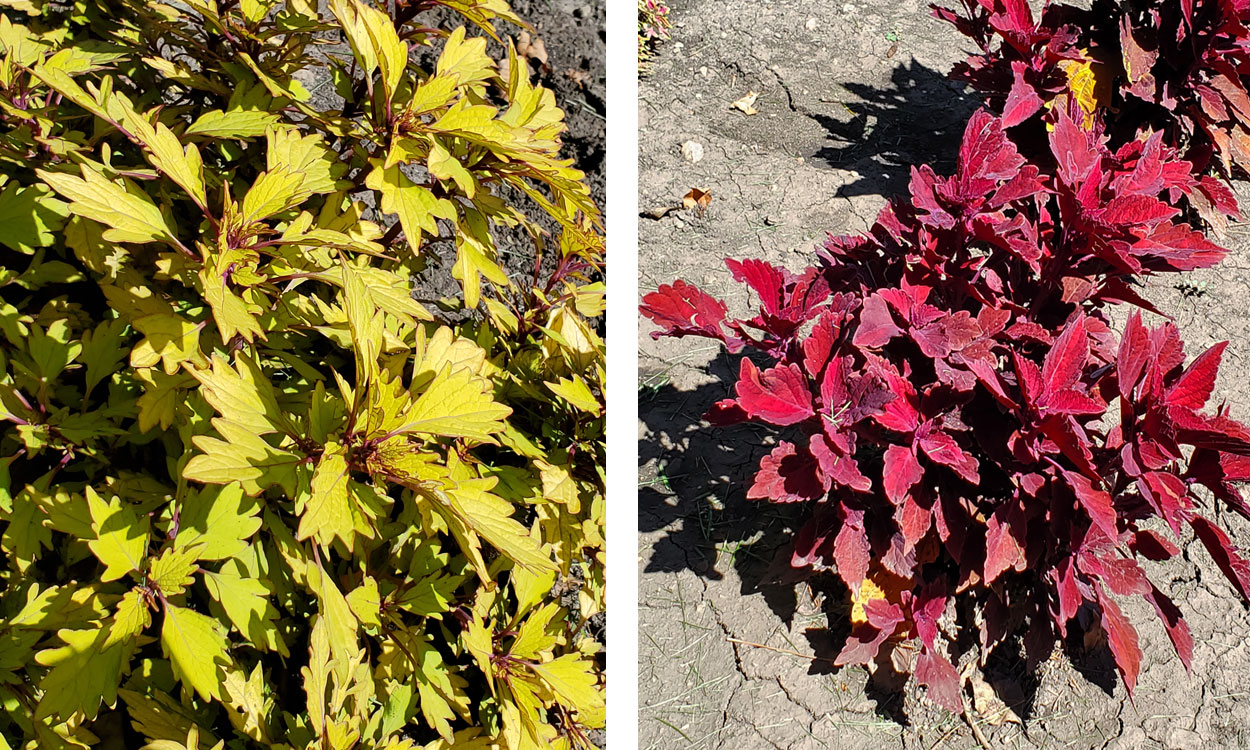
[[973, 436], [293, 454]]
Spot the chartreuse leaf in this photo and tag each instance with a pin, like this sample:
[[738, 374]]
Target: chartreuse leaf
[[30, 216], [83, 674], [416, 205], [572, 682], [195, 645], [130, 619], [246, 601], [232, 123], [374, 41], [332, 511], [472, 512], [242, 457], [241, 393], [121, 538], [475, 259], [172, 572], [456, 403], [217, 522], [127, 211]]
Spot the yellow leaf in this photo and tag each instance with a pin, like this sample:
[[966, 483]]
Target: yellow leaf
[[171, 573], [445, 167], [306, 155], [240, 124], [558, 485], [465, 59], [366, 603], [171, 340], [339, 622], [475, 260], [571, 679], [241, 394]]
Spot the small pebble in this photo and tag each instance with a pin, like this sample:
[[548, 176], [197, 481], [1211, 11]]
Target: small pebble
[[692, 151], [810, 25]]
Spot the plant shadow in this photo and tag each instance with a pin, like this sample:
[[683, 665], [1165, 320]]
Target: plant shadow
[[917, 119]]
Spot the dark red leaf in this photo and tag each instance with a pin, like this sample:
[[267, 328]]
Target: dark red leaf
[[838, 466], [1167, 494], [726, 412], [851, 552], [767, 280], [1134, 351], [787, 476], [942, 448], [1022, 100], [1151, 546], [1064, 363], [1225, 553], [1095, 501], [914, 521], [876, 324], [779, 395]]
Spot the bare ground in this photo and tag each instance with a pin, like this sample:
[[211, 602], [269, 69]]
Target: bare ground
[[850, 95]]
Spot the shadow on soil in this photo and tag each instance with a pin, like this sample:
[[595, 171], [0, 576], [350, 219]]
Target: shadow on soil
[[918, 119]]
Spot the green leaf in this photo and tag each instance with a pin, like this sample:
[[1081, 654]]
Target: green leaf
[[121, 538], [196, 648]]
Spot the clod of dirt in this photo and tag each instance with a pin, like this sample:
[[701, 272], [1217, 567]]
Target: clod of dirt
[[692, 151], [810, 25], [532, 47]]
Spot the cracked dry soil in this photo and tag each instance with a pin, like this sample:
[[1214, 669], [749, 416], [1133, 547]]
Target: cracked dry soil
[[850, 95]]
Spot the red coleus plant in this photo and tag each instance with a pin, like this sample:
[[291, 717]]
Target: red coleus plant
[[953, 404], [1179, 67]]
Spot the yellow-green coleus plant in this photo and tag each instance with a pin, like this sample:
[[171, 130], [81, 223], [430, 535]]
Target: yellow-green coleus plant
[[266, 480]]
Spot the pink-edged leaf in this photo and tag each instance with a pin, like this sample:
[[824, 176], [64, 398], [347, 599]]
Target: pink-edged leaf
[[900, 472], [1134, 351], [1193, 388], [1028, 376], [851, 552], [1138, 61], [779, 395], [1022, 100], [767, 280], [1137, 209], [986, 154], [1120, 574], [927, 609], [838, 466], [942, 448], [1004, 534], [1122, 638], [1096, 502], [914, 521], [1174, 623], [876, 324], [1179, 247], [818, 346], [1073, 148], [937, 673], [787, 476], [1225, 553], [1064, 363], [685, 310]]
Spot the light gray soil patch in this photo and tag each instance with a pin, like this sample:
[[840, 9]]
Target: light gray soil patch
[[850, 95]]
